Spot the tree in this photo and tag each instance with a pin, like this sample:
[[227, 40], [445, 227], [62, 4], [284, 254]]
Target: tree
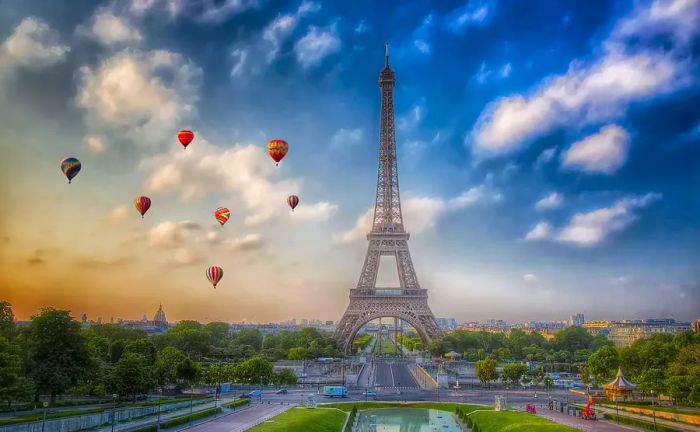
[[548, 382], [486, 370], [652, 380], [297, 353], [287, 377], [132, 375], [537, 375], [13, 385], [7, 320], [679, 387], [187, 371], [572, 338], [437, 348], [167, 363], [255, 369], [141, 346], [603, 363], [512, 373], [57, 350]]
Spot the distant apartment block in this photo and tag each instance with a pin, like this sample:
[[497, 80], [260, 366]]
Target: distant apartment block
[[576, 320], [626, 332]]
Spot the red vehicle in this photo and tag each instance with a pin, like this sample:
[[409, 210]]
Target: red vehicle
[[531, 408], [588, 413]]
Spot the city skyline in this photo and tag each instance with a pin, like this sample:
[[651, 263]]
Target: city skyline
[[534, 174]]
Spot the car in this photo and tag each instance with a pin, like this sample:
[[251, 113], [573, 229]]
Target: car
[[254, 394], [244, 396], [281, 391], [369, 393]]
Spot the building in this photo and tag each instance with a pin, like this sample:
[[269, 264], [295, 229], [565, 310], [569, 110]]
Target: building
[[696, 325], [598, 327], [625, 333], [446, 323], [576, 320], [159, 317]]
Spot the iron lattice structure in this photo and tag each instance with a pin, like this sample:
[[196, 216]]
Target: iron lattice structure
[[409, 302]]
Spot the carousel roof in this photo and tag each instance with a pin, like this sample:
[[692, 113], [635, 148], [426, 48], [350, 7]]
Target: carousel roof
[[620, 383], [453, 354]]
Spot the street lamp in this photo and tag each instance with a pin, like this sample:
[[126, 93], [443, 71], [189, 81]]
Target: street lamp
[[114, 409], [653, 410], [261, 388], [160, 392], [46, 405]]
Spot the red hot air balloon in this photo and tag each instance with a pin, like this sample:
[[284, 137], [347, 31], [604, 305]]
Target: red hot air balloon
[[277, 149], [142, 204], [214, 274], [293, 201], [185, 137], [222, 214]]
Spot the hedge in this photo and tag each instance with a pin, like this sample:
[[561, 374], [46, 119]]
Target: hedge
[[351, 419], [640, 423], [237, 403], [146, 429], [177, 421]]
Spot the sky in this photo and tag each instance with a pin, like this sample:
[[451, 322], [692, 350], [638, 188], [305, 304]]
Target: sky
[[549, 155]]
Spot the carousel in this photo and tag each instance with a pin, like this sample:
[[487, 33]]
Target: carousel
[[619, 388]]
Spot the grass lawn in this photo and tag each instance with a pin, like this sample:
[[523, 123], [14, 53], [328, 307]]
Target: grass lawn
[[347, 406], [386, 346], [677, 410], [304, 420], [513, 421]]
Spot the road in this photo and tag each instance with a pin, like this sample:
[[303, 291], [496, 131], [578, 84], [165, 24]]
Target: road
[[390, 373], [243, 419]]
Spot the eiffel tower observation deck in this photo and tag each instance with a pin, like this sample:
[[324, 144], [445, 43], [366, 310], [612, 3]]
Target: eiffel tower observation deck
[[407, 302]]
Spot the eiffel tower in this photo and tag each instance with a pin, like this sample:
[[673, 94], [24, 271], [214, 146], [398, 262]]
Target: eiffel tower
[[409, 302]]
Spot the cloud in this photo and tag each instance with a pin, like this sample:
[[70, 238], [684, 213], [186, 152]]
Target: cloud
[[239, 56], [361, 26], [545, 157], [346, 137], [197, 10], [506, 70], [185, 257], [95, 144], [472, 13], [591, 228], [99, 263], [119, 213], [422, 213], [140, 95], [108, 28], [553, 200], [604, 152], [250, 242], [541, 231], [243, 171], [33, 45], [679, 19], [529, 277], [411, 119], [594, 91], [320, 211], [37, 258], [421, 36], [316, 45], [482, 74], [171, 235]]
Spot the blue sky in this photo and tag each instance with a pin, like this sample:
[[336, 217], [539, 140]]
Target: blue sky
[[549, 154]]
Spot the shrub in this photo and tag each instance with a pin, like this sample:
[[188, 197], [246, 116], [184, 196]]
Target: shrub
[[177, 421], [237, 403], [640, 423]]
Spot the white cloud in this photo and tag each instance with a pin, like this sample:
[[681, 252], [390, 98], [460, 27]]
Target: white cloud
[[120, 213], [239, 56], [197, 10], [171, 235], [32, 44], [545, 157], [346, 137], [249, 242], [361, 26], [411, 119], [244, 171], [473, 12], [186, 256], [316, 45], [109, 28], [140, 95], [422, 46], [529, 277], [506, 70], [422, 213], [482, 74], [95, 144], [541, 231], [591, 228], [551, 201], [604, 152], [678, 18], [320, 211]]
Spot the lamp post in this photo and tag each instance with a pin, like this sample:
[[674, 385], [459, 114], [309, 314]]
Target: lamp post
[[114, 409], [46, 405], [160, 393], [261, 388], [191, 395], [617, 411], [653, 410]]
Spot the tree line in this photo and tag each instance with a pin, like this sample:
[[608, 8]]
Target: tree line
[[54, 355]]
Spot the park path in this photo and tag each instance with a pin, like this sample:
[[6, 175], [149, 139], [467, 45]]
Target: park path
[[673, 424], [243, 419], [584, 425]]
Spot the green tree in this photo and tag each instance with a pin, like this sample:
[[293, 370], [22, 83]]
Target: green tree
[[537, 375], [59, 357], [572, 338], [679, 387], [437, 348], [132, 375], [287, 377], [167, 363], [13, 385], [512, 372], [548, 382], [297, 353], [188, 371], [486, 370], [141, 346], [652, 380], [7, 320], [603, 363], [254, 369]]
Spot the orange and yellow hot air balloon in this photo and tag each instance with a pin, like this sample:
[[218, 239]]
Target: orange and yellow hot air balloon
[[142, 204], [185, 137], [277, 149]]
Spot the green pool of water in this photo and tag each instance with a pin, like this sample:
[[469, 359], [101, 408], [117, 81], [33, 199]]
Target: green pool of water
[[406, 420]]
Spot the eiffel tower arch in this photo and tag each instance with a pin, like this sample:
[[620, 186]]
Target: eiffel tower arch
[[407, 302]]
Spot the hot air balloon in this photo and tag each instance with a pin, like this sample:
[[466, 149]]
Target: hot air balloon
[[214, 274], [142, 204], [293, 201], [70, 167], [222, 214], [185, 137], [277, 149]]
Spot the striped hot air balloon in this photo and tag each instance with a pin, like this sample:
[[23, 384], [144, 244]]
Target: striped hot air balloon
[[214, 274], [277, 149], [70, 167], [222, 214], [185, 137], [142, 204], [292, 201]]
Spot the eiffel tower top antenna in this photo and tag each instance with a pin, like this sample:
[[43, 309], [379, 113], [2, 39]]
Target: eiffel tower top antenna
[[386, 56]]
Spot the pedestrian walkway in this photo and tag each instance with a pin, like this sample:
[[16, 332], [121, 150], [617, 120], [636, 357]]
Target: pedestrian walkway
[[673, 424], [243, 419], [584, 425]]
